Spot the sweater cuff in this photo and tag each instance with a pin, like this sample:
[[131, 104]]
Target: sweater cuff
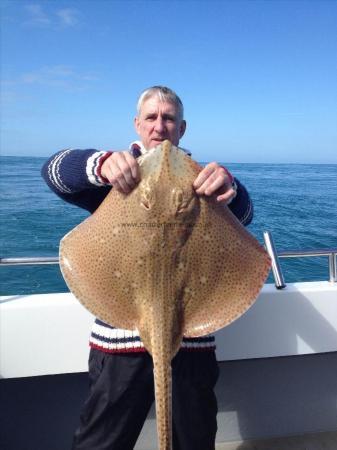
[[94, 166]]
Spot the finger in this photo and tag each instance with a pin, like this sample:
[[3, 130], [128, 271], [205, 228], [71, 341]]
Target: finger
[[204, 174], [206, 184], [221, 178], [121, 172], [226, 197], [125, 171], [134, 166], [118, 182], [219, 182]]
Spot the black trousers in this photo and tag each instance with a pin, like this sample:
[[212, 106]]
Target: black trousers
[[122, 392]]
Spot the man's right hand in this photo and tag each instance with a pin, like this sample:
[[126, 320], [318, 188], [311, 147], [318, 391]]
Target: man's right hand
[[122, 171]]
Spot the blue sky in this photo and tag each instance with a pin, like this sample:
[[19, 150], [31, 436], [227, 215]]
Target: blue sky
[[258, 78]]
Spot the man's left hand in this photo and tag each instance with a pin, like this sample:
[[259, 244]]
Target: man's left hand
[[215, 178]]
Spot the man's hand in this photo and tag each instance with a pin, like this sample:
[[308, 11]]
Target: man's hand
[[121, 169], [214, 178]]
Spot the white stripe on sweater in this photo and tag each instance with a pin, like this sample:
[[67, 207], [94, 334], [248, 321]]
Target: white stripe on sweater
[[116, 345], [118, 333], [53, 172]]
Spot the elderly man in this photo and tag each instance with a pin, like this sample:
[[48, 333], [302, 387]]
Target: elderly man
[[120, 370]]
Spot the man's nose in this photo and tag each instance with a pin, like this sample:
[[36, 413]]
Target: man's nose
[[159, 125]]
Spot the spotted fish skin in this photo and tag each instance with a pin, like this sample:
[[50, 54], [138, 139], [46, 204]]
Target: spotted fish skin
[[174, 211], [165, 262]]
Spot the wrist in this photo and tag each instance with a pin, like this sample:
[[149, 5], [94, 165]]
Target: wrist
[[102, 159]]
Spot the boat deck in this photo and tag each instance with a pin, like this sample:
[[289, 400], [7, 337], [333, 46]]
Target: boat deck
[[316, 441]]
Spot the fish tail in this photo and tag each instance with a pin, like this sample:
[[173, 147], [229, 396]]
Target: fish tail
[[163, 394]]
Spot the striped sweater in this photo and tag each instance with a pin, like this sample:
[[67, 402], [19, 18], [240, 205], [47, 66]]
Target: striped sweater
[[74, 175]]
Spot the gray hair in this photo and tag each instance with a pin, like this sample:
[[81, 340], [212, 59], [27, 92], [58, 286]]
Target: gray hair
[[164, 94]]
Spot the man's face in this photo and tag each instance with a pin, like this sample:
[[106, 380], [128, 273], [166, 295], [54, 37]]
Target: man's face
[[158, 121]]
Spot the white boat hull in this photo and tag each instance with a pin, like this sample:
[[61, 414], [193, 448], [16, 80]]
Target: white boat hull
[[277, 371], [48, 333]]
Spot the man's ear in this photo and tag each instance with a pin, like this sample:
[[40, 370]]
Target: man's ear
[[136, 124], [182, 128]]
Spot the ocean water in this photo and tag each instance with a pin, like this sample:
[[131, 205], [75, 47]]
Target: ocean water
[[297, 203]]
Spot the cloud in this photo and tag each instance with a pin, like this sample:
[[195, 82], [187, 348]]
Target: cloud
[[57, 77], [60, 76], [37, 15], [68, 17], [65, 17]]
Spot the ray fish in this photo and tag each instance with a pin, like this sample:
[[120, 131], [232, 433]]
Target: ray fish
[[165, 262]]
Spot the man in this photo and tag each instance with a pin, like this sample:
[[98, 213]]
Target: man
[[120, 370]]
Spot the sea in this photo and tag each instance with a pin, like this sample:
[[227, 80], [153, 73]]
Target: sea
[[297, 203]]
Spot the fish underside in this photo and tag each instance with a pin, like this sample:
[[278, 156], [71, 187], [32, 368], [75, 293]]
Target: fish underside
[[165, 262]]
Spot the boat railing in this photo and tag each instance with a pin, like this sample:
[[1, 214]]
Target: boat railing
[[29, 261], [275, 255]]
